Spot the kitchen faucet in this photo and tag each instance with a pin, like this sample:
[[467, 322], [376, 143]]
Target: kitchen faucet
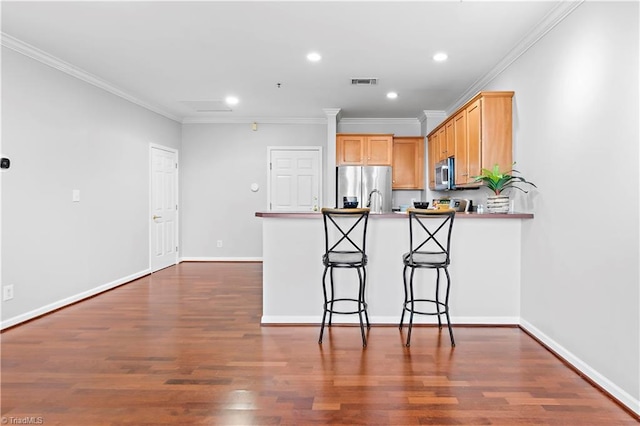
[[369, 201]]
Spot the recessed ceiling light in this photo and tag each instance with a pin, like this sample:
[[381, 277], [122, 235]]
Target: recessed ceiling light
[[392, 95], [439, 57], [314, 57], [231, 100]]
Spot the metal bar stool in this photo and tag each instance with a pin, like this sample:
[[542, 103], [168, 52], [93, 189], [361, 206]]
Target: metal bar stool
[[429, 245], [345, 235]]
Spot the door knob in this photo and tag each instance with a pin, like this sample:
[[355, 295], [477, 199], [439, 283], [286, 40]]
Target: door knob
[[156, 217]]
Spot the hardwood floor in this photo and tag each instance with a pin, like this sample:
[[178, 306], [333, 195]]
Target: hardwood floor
[[185, 346]]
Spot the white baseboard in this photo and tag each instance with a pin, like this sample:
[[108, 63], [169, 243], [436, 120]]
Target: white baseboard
[[584, 368], [69, 300], [279, 319], [386, 320], [221, 259], [481, 320]]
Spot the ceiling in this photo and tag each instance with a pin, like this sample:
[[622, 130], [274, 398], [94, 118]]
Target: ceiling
[[172, 56]]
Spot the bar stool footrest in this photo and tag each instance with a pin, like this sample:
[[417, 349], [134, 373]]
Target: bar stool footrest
[[362, 306], [407, 307]]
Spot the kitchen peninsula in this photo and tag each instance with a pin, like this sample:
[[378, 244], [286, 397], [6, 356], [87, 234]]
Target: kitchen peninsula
[[483, 290]]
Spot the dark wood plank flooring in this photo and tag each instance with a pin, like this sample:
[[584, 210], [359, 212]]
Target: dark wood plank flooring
[[185, 346]]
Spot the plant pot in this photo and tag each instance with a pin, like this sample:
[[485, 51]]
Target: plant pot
[[498, 204]]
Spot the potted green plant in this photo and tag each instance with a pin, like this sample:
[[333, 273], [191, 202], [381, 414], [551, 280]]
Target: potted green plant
[[498, 181]]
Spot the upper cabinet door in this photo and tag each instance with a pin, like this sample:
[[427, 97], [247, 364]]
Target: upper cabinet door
[[461, 150], [408, 162], [350, 150], [434, 143], [364, 150], [433, 159], [379, 150], [474, 140], [442, 144], [450, 135]]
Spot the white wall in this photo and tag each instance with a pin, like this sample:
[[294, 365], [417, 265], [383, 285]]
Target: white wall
[[399, 127], [219, 164], [576, 110], [63, 134]]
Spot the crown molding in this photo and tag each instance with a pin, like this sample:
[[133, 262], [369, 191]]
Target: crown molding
[[546, 24], [553, 18], [260, 120], [335, 113], [387, 121], [32, 52], [431, 113]]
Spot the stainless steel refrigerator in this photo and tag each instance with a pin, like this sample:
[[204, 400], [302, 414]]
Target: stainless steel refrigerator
[[367, 183]]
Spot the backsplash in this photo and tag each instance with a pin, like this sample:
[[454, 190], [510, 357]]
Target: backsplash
[[406, 197]]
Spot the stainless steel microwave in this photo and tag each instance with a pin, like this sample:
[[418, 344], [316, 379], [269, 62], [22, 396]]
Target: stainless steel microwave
[[445, 175]]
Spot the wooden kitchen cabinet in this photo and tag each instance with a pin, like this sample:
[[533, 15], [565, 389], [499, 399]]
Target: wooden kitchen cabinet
[[442, 144], [350, 150], [364, 149], [474, 143], [408, 162], [482, 136], [434, 147], [380, 150], [450, 140], [433, 159], [461, 168]]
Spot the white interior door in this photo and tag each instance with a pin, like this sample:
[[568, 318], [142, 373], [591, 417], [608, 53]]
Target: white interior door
[[294, 179], [164, 208]]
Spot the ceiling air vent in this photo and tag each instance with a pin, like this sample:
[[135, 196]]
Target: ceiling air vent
[[364, 81]]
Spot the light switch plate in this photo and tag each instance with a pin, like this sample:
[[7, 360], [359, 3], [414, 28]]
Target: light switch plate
[[76, 195], [7, 293]]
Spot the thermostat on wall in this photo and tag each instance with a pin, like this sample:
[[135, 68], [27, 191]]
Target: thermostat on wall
[[5, 163]]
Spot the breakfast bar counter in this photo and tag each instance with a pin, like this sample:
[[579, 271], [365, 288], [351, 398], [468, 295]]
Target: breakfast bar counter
[[485, 288], [399, 215]]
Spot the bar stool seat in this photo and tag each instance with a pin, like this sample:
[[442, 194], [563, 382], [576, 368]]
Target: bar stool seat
[[345, 234], [430, 248]]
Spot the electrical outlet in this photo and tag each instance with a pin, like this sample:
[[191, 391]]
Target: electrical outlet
[[219, 243], [7, 292]]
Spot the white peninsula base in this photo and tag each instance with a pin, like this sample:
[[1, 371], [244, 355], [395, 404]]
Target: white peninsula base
[[485, 285]]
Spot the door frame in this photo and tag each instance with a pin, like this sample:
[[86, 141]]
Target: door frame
[[318, 149], [153, 146]]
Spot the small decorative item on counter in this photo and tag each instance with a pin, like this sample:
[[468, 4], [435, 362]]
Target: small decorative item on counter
[[498, 204], [421, 204], [442, 203], [480, 209], [498, 182], [350, 202]]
